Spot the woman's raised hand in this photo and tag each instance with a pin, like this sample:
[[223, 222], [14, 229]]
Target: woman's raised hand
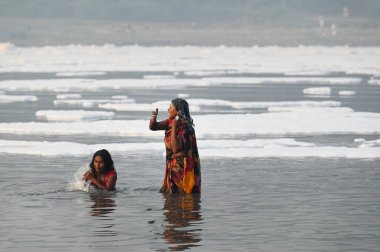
[[155, 113]]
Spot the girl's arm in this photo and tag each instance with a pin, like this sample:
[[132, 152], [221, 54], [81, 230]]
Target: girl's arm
[[111, 182], [89, 176], [97, 184]]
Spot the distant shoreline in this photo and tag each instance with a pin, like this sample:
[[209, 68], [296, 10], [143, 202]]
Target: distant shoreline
[[42, 32]]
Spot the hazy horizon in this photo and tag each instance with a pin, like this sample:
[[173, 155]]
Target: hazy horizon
[[210, 22]]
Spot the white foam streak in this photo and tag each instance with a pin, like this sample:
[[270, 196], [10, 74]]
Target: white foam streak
[[311, 109], [206, 73], [158, 76], [317, 91], [196, 105], [289, 123], [246, 105], [346, 93], [87, 103], [71, 149], [74, 115], [190, 59], [68, 96], [253, 148], [81, 74], [280, 80], [374, 82], [369, 144], [17, 98], [295, 152], [281, 123], [75, 85]]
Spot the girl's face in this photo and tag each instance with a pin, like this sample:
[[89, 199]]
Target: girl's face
[[172, 111], [99, 164]]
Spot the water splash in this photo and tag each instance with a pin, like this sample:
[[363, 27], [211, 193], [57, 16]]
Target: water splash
[[77, 183]]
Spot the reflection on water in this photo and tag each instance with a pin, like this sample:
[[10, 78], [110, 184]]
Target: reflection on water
[[182, 214], [104, 206]]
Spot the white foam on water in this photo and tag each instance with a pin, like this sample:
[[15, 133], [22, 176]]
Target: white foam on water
[[74, 115], [218, 125], [346, 93], [370, 144], [87, 103], [68, 96], [306, 73], [317, 91], [196, 105], [374, 82], [182, 95], [217, 81], [294, 152], [159, 77], [17, 98], [247, 105], [191, 59], [162, 106], [310, 109], [72, 149], [120, 97], [206, 73], [81, 74], [44, 148], [253, 148], [252, 143], [75, 85], [359, 140], [289, 123]]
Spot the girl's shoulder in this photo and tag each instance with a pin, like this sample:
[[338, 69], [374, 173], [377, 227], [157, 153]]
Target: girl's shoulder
[[111, 173]]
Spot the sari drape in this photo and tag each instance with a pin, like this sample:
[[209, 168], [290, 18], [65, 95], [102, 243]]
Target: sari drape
[[183, 170]]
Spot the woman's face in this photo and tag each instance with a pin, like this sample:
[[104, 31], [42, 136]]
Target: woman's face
[[172, 111], [99, 164]]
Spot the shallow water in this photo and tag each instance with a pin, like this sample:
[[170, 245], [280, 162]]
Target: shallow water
[[254, 204]]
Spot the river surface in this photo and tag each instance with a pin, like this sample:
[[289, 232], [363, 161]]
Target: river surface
[[298, 190]]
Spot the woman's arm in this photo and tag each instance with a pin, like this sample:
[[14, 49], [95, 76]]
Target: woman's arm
[[154, 125]]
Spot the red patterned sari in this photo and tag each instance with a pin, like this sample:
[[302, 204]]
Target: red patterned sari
[[183, 169]]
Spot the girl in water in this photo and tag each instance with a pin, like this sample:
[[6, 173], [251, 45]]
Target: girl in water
[[102, 175]]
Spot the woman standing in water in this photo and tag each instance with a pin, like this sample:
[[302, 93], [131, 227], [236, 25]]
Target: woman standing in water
[[102, 174], [183, 170]]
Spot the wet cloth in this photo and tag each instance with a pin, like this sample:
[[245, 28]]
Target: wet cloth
[[183, 169], [108, 175]]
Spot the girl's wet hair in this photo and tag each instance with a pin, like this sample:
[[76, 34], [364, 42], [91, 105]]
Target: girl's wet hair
[[107, 159], [182, 108]]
